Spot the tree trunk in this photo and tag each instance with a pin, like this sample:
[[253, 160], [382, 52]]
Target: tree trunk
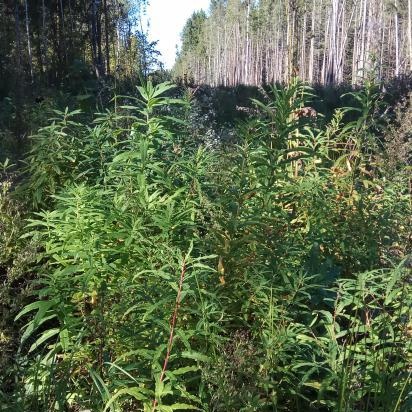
[[410, 33], [396, 39], [247, 51], [312, 44], [29, 51], [106, 32], [63, 32], [43, 37], [331, 59], [95, 37], [19, 74]]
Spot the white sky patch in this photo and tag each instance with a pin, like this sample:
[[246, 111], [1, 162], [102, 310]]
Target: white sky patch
[[167, 19]]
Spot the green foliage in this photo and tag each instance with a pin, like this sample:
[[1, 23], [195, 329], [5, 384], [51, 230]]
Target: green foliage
[[16, 265], [51, 162], [257, 275], [369, 338]]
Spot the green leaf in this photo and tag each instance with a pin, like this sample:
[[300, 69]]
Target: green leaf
[[33, 325], [46, 335], [186, 369], [164, 408], [162, 88], [134, 392], [42, 306], [195, 356], [183, 406], [64, 339], [100, 385]]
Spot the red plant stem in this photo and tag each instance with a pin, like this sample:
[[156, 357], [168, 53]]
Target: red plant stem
[[172, 327]]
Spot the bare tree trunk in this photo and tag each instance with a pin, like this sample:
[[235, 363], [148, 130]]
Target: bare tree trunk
[[19, 78], [289, 42], [355, 54], [324, 60], [382, 43], [63, 31], [218, 59], [29, 51], [312, 44], [332, 52], [396, 39], [99, 40], [95, 37], [302, 68], [43, 37], [247, 51], [117, 47], [344, 39], [71, 23], [106, 36], [369, 39], [363, 40], [294, 38], [17, 33], [410, 32]]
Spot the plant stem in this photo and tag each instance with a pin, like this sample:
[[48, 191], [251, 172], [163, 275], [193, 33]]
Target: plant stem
[[172, 327]]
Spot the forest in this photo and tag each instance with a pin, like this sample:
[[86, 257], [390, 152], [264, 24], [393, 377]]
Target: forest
[[321, 41], [230, 235]]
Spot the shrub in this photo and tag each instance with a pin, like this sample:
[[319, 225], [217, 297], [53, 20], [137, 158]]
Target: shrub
[[245, 276]]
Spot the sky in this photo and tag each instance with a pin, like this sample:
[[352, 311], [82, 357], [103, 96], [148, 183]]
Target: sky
[[167, 19]]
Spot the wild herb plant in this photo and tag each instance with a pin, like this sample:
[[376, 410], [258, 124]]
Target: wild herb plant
[[246, 276]]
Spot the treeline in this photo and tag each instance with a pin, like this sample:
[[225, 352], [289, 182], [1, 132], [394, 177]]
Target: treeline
[[47, 42], [322, 41]]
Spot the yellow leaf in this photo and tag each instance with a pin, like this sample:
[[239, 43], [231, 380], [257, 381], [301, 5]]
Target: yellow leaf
[[220, 267], [93, 300]]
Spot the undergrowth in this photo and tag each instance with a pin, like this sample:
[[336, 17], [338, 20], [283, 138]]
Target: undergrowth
[[270, 273]]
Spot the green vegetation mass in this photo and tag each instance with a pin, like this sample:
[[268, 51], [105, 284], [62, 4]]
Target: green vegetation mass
[[146, 265]]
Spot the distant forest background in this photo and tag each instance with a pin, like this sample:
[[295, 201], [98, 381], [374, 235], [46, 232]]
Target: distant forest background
[[52, 42], [321, 41]]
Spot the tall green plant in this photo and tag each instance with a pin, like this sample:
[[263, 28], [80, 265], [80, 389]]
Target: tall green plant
[[245, 276]]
